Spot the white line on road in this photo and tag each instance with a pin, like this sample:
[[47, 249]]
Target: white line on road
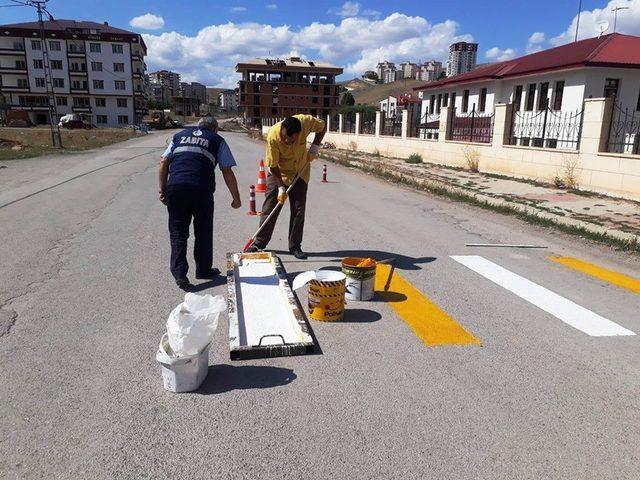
[[569, 312]]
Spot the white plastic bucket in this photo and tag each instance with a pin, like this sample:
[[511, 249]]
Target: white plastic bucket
[[182, 374]]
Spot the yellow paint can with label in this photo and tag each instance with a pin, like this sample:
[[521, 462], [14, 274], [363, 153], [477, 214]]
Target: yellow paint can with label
[[326, 296]]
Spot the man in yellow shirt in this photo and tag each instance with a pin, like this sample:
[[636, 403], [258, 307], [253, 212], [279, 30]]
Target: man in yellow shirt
[[286, 154]]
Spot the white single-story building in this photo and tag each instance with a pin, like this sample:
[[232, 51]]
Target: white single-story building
[[560, 78]]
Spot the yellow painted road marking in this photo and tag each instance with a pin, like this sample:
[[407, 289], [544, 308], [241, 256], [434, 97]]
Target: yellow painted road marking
[[610, 276], [431, 324]]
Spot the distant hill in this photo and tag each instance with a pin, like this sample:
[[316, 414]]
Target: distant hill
[[373, 94], [355, 84]]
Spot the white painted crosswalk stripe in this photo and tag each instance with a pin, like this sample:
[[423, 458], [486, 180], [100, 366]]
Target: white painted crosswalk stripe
[[569, 312]]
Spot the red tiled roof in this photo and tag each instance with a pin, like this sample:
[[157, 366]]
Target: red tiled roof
[[613, 50]]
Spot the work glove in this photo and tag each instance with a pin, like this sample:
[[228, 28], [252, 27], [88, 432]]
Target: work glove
[[313, 151], [282, 195]]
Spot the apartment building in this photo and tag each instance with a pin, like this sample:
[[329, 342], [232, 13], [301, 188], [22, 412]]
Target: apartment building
[[96, 70], [167, 79], [282, 87], [409, 70], [462, 58], [386, 72], [429, 71], [193, 90], [228, 100]]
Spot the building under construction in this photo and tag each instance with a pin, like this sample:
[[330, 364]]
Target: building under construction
[[279, 88]]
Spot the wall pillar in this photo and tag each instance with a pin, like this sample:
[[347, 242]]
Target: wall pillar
[[502, 124], [340, 119], [358, 117], [595, 125], [405, 123], [446, 117], [378, 123], [328, 123]]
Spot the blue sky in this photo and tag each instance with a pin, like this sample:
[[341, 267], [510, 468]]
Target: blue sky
[[204, 39]]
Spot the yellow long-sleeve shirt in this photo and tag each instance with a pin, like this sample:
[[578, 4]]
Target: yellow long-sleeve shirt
[[289, 158]]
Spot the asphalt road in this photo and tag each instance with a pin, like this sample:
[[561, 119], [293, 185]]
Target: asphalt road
[[85, 291]]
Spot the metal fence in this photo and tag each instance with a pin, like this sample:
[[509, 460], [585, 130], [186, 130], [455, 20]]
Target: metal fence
[[624, 130], [349, 123], [546, 129], [391, 125], [334, 122], [428, 128], [368, 123], [472, 127]]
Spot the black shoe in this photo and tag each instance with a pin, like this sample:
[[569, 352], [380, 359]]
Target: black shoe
[[214, 272], [298, 253], [183, 283], [252, 249]]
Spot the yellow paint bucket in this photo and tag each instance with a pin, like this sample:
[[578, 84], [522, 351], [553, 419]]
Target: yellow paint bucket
[[326, 296]]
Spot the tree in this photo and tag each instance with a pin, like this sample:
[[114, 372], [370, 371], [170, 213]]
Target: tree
[[371, 75], [347, 99], [442, 75]]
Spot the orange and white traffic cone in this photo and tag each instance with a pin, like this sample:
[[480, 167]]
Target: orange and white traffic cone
[[324, 173], [262, 179], [252, 201]]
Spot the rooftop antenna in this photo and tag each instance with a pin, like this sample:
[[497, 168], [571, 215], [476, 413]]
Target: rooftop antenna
[[615, 16], [604, 26]]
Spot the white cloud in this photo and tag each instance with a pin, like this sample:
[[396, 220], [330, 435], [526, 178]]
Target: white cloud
[[537, 37], [591, 21], [356, 43], [238, 9], [348, 9], [271, 6], [148, 21], [498, 55]]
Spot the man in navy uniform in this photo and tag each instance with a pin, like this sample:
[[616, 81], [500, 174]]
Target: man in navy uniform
[[187, 183]]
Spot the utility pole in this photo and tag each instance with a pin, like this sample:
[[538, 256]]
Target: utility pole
[[578, 20], [56, 139], [615, 16]]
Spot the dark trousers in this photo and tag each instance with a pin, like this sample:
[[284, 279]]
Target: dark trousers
[[297, 202], [184, 203]]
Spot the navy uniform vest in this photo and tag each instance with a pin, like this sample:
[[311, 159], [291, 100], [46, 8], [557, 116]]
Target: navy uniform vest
[[195, 154]]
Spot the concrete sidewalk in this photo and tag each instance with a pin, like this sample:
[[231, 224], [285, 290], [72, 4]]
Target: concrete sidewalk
[[603, 216]]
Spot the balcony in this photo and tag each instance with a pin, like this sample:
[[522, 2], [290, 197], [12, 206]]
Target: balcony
[[136, 57], [139, 93], [14, 88], [16, 70], [81, 109], [78, 73], [12, 51], [79, 90], [76, 52]]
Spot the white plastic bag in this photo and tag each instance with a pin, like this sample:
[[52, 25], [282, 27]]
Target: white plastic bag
[[191, 324]]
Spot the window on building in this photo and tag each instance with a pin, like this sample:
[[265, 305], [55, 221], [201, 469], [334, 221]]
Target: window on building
[[465, 101], [81, 102], [638, 104], [531, 94], [432, 104], [611, 87], [95, 48], [101, 119], [24, 83], [36, 45], [56, 64], [517, 98], [558, 91], [101, 102], [61, 101], [21, 64], [120, 85], [453, 99], [39, 82], [123, 119], [58, 82], [98, 84], [543, 96], [122, 102], [117, 48], [18, 46], [118, 67], [315, 100], [54, 46], [445, 100], [482, 104], [439, 103], [37, 64], [96, 66]]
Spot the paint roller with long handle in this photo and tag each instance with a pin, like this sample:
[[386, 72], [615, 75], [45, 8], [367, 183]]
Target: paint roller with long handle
[[276, 208]]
